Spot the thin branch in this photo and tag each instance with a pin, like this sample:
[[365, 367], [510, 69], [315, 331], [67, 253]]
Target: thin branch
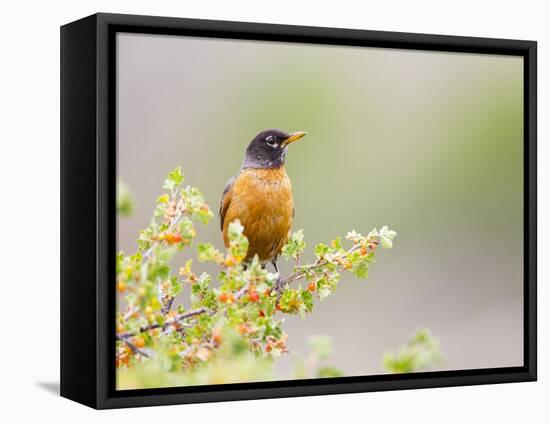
[[132, 346], [320, 262], [168, 322], [300, 273], [242, 291], [167, 305]]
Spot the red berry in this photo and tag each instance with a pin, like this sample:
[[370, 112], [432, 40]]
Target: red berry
[[253, 295], [172, 238], [226, 298], [244, 329], [138, 342], [217, 337]]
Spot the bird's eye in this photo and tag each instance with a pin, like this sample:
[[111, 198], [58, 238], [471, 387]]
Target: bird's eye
[[272, 143]]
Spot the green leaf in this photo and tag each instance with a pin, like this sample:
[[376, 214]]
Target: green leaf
[[307, 299], [166, 254], [124, 199], [324, 292], [326, 284], [203, 280], [386, 236], [386, 242], [119, 262], [238, 243], [177, 286], [329, 371], [295, 245], [176, 176], [321, 346], [321, 249], [160, 209], [361, 268], [163, 198], [204, 215], [174, 180], [420, 353], [207, 252]]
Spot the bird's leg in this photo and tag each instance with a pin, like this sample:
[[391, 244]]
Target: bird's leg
[[279, 285]]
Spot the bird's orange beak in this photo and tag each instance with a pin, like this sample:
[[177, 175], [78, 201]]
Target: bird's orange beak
[[295, 136]]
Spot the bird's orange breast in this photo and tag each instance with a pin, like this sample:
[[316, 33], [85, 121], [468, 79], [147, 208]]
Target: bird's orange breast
[[262, 200]]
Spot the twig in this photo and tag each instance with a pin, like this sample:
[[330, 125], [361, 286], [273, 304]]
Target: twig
[[242, 291], [298, 274], [167, 305], [167, 323], [302, 271], [134, 349]]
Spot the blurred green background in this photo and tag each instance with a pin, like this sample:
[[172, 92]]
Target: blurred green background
[[427, 143]]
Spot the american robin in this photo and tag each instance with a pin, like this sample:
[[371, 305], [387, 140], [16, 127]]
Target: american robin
[[260, 196]]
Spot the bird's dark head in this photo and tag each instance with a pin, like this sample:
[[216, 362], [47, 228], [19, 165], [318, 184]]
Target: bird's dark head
[[268, 148]]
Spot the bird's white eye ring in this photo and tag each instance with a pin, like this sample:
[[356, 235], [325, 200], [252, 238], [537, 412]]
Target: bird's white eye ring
[[271, 144]]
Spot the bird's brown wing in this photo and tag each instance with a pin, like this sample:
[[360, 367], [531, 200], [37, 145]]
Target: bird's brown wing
[[226, 200]]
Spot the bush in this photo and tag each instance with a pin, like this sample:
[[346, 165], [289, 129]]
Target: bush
[[233, 328]]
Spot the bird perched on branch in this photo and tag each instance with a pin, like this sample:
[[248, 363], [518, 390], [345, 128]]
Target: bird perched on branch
[[260, 196]]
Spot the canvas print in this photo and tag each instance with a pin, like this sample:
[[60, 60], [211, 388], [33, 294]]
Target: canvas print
[[297, 211]]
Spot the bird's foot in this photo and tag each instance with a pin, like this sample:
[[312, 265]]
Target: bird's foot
[[279, 287]]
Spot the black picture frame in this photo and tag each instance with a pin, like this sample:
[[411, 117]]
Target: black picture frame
[[88, 221]]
